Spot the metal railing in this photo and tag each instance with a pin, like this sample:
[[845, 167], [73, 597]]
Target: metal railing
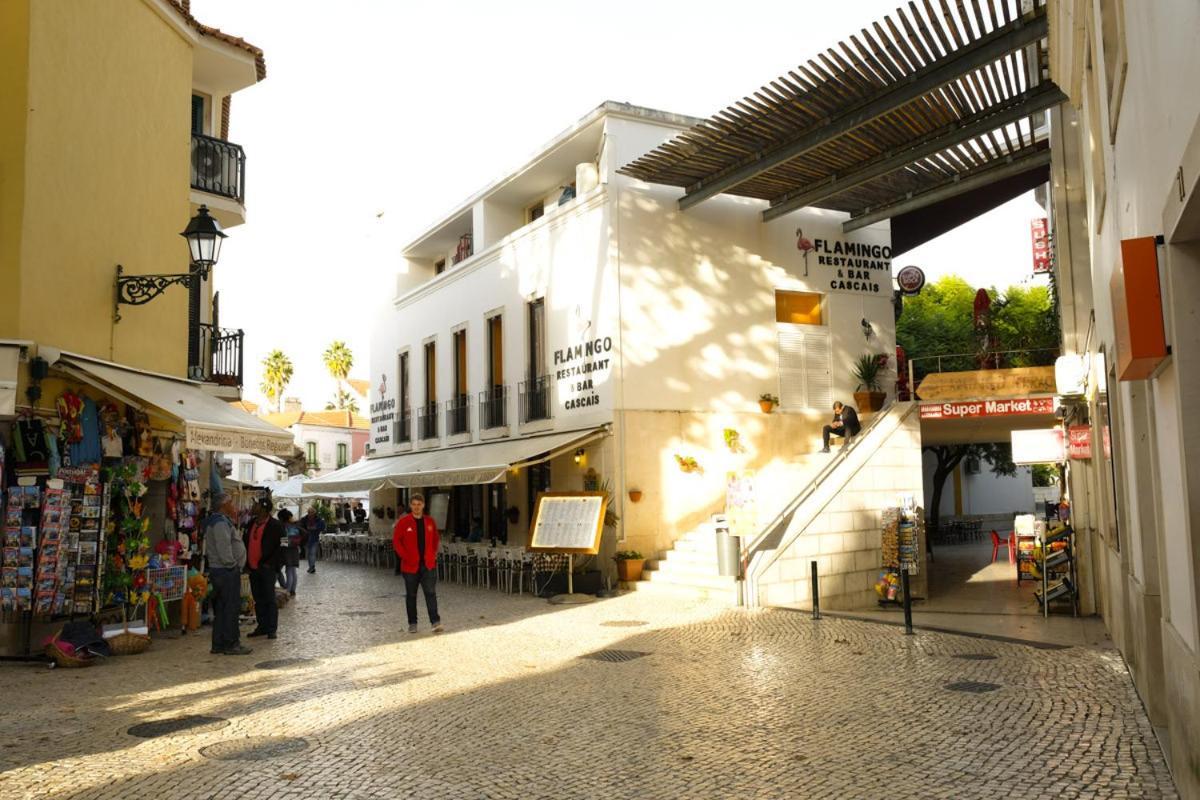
[[218, 167], [402, 428], [221, 355], [493, 408], [533, 397], [427, 421], [458, 415]]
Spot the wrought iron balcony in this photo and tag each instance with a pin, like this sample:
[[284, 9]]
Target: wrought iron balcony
[[218, 356], [218, 167], [493, 408], [427, 421], [402, 428], [458, 415], [533, 397]]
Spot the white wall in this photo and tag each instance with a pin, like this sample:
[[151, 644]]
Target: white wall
[[983, 493], [327, 440]]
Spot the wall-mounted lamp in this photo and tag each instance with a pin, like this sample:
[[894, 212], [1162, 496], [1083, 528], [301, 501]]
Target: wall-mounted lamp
[[204, 235], [867, 328], [579, 456]]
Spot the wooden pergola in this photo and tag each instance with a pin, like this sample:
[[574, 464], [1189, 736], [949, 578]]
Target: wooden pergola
[[927, 104]]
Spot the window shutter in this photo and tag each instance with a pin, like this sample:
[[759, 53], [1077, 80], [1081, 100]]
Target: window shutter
[[197, 114], [818, 362], [805, 367]]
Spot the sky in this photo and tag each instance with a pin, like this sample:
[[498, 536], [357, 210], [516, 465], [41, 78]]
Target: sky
[[378, 116]]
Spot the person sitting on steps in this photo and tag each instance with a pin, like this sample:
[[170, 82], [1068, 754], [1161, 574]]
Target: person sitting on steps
[[845, 423]]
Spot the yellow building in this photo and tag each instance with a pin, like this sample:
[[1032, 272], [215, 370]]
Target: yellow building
[[113, 124]]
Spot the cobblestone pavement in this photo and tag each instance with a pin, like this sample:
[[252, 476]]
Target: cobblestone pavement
[[725, 703]]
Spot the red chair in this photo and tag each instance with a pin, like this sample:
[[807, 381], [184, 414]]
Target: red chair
[[1009, 543]]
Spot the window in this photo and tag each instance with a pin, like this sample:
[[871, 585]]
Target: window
[[403, 418], [1116, 63], [798, 308], [1095, 143], [310, 455], [343, 455], [537, 338], [535, 211], [439, 267], [1106, 413], [495, 345], [197, 114], [458, 405], [246, 471], [430, 373]]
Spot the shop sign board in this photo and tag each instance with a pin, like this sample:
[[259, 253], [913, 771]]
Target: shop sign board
[[1042, 446], [581, 371], [973, 384], [911, 280], [568, 522], [200, 437], [988, 408], [1079, 442], [1040, 234], [848, 267], [740, 512], [383, 414]]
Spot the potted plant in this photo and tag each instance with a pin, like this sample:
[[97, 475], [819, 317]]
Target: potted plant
[[868, 370], [687, 463], [635, 495], [767, 401], [629, 565], [733, 440]]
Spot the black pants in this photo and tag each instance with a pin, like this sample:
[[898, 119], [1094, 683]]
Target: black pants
[[262, 586], [426, 579], [226, 601], [829, 429]]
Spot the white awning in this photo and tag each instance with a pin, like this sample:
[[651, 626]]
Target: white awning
[[486, 462], [10, 357], [209, 422]]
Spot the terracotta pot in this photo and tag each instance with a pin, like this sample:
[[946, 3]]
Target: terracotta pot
[[630, 569], [635, 495], [766, 406], [869, 402]]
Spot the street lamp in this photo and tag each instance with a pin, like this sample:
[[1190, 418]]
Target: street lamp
[[204, 235]]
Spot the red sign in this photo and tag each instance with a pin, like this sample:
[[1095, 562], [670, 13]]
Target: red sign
[[1041, 245], [988, 408], [911, 279], [1079, 441]]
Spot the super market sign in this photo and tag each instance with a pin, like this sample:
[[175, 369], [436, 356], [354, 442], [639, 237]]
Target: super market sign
[[988, 408]]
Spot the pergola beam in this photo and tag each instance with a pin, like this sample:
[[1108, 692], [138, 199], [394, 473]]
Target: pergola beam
[[950, 188], [995, 45], [1039, 98]]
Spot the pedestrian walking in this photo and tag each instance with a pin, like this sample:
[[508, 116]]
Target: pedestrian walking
[[415, 540], [226, 557], [845, 423], [313, 526], [293, 540], [263, 557]]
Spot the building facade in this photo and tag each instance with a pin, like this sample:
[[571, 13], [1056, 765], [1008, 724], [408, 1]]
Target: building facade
[[1127, 225], [571, 326]]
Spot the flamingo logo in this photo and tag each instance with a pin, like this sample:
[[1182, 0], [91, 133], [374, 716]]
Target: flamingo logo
[[382, 386], [805, 246]]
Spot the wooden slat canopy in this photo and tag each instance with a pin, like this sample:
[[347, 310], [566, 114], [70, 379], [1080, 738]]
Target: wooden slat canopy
[[939, 97]]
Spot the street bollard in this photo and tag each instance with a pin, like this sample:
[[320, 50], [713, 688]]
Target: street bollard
[[816, 597], [907, 601]]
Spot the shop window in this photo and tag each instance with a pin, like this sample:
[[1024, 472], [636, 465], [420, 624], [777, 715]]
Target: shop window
[[246, 471], [798, 308], [343, 455], [538, 481], [310, 455]]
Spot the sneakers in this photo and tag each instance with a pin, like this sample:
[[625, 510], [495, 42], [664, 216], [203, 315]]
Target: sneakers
[[311, 571], [437, 627], [823, 450], [240, 650], [412, 628]]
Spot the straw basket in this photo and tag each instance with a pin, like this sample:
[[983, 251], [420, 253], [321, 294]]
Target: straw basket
[[64, 659], [128, 644]]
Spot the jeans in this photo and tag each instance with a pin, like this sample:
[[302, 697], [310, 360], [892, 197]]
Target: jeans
[[427, 580], [312, 556], [287, 579], [262, 586], [226, 601]]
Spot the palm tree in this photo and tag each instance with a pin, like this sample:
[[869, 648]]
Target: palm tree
[[277, 374], [343, 401], [339, 360]]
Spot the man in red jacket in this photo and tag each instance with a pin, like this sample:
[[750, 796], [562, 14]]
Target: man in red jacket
[[415, 540]]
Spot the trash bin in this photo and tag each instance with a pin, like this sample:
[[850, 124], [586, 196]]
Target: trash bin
[[729, 554]]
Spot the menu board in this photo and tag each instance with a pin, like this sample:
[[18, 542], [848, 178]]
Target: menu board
[[568, 522]]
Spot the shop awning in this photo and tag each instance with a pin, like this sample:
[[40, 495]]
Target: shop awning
[[486, 462], [209, 422], [10, 357]]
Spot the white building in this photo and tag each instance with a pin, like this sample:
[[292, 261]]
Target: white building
[[330, 440], [569, 324], [1126, 170]]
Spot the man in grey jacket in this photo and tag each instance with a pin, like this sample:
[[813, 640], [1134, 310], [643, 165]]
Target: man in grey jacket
[[226, 558]]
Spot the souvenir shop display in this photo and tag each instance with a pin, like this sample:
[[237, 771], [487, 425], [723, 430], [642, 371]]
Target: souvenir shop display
[[21, 513], [1056, 563], [900, 544]]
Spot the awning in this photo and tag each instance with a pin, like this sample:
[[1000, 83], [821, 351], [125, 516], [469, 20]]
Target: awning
[[10, 356], [487, 462], [209, 423]]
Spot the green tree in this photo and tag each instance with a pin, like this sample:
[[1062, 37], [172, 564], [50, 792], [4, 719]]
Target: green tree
[[1025, 319], [277, 374], [343, 401], [939, 322], [338, 360]]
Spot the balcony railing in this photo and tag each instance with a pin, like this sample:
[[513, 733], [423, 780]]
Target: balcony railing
[[220, 353], [493, 408], [402, 428], [458, 415], [218, 167], [533, 397], [427, 421]]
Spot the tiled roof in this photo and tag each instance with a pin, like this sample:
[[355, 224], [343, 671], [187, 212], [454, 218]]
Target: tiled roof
[[260, 64], [359, 385], [327, 419], [245, 405]]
